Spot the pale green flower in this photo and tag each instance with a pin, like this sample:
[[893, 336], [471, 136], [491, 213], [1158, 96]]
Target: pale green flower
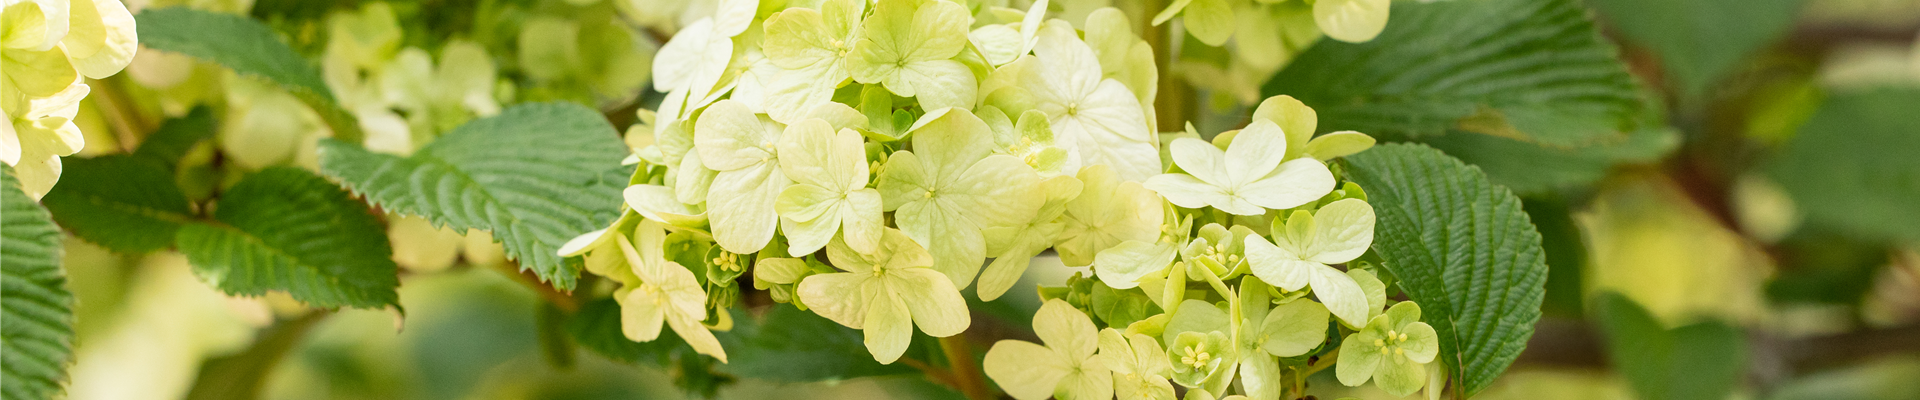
[[689, 68], [1098, 120], [34, 139], [742, 147], [1294, 118], [908, 46], [1292, 329], [1123, 56], [100, 38], [886, 293], [1391, 350], [1031, 139], [1002, 43], [1122, 266], [657, 203], [1108, 212], [1218, 248], [34, 63], [1066, 367], [1246, 179], [829, 191], [667, 293], [1140, 367], [1351, 20], [1014, 247], [1305, 246], [811, 48], [951, 186], [1198, 357]]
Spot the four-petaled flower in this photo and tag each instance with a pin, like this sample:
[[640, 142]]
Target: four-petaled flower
[[1246, 179], [886, 293], [1392, 350], [1066, 367]]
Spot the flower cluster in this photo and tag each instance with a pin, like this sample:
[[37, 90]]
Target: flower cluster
[[865, 161], [47, 48]]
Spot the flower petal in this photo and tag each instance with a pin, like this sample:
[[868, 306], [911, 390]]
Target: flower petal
[[1341, 295], [1186, 191], [1255, 152], [936, 305], [1342, 231], [1122, 266], [741, 207], [1278, 265], [1293, 184], [1066, 329], [889, 328], [1025, 370], [1294, 328], [842, 297]]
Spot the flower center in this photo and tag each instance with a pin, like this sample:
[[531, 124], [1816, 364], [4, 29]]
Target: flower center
[[1392, 344], [1073, 108], [1197, 356]]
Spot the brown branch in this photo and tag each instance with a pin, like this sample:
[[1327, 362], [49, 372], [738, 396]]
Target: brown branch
[[966, 373]]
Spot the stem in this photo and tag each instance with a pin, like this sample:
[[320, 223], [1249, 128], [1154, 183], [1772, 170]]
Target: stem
[[118, 108], [1173, 102], [966, 374], [241, 376]]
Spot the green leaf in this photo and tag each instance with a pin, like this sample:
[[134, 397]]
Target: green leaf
[[1699, 361], [177, 136], [1852, 167], [596, 327], [790, 345], [536, 175], [36, 314], [249, 48], [1463, 248], [1700, 41], [287, 229], [1531, 70], [128, 204], [1530, 168]]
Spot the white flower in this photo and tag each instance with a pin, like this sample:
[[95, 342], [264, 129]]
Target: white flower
[[1247, 178]]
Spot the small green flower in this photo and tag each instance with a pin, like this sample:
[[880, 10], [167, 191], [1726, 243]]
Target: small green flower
[[811, 48], [667, 293], [951, 185], [1139, 366], [1066, 367], [1014, 247], [1108, 211], [1197, 357], [1218, 248], [829, 194], [886, 293], [1391, 350], [1307, 243], [908, 46], [1246, 179]]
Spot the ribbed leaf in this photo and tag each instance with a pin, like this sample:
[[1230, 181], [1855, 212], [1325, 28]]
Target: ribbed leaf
[[289, 230], [36, 315], [1530, 168], [249, 48], [1533, 70], [129, 204], [1852, 166], [1463, 248], [177, 136], [536, 175]]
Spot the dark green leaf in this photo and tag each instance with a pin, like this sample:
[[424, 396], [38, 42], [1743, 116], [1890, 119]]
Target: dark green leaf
[[1852, 166], [1463, 248], [1699, 361], [536, 175], [790, 345], [249, 48], [36, 314], [1532, 168], [287, 229], [1699, 41], [1566, 254], [129, 204], [177, 136], [596, 327], [1532, 70]]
